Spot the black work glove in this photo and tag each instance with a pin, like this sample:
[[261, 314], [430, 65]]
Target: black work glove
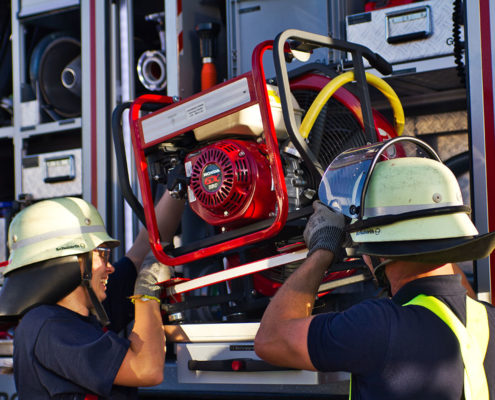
[[324, 230]]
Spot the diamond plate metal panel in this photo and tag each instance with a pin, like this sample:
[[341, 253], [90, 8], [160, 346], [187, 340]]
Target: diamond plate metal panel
[[454, 121], [48, 175], [370, 30]]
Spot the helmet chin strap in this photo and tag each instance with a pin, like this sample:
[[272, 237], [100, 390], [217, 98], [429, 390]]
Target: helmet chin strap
[[86, 282], [379, 272]]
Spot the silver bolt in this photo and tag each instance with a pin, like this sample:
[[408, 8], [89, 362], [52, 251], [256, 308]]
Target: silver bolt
[[437, 197]]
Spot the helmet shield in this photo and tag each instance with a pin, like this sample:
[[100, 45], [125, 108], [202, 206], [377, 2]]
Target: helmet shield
[[345, 182]]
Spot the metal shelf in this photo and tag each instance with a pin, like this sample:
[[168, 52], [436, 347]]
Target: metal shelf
[[50, 127], [415, 67], [7, 132], [29, 8]]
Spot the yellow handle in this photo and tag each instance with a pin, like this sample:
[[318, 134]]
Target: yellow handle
[[335, 84]]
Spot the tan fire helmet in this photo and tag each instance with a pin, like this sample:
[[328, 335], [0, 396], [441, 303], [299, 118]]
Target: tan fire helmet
[[48, 242], [55, 228], [404, 203]]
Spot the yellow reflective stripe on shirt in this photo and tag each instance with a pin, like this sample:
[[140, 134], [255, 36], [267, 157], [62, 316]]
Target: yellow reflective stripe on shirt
[[473, 340]]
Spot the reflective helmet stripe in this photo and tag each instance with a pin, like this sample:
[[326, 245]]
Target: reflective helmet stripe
[[59, 233], [473, 340]]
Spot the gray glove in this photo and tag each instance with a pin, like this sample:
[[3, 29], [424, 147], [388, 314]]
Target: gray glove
[[150, 274], [324, 230]]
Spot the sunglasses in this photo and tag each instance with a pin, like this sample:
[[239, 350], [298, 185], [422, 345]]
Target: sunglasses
[[103, 253]]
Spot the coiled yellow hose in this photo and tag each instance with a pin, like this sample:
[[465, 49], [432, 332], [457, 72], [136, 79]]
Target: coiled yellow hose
[[332, 86]]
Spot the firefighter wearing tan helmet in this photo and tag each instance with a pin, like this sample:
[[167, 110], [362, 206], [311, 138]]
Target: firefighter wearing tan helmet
[[56, 282], [396, 205]]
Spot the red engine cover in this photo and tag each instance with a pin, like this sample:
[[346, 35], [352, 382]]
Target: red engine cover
[[230, 183]]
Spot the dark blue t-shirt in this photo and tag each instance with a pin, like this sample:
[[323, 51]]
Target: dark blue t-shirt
[[396, 352], [59, 354]]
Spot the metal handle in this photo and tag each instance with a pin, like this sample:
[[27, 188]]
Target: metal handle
[[310, 41]]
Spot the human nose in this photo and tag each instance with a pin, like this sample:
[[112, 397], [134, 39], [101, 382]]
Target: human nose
[[110, 268]]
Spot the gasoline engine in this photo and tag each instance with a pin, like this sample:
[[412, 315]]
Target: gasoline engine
[[228, 176]]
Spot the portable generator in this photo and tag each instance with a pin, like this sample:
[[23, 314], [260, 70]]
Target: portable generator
[[236, 152]]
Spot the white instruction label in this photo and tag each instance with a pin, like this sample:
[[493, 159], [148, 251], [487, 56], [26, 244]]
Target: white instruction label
[[196, 110], [189, 112]]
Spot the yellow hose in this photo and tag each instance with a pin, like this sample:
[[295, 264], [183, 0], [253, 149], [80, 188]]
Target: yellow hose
[[332, 86]]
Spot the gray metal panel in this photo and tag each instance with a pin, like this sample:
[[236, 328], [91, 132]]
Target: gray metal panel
[[95, 125], [32, 7], [237, 350], [18, 68], [373, 33], [327, 387], [123, 55], [252, 22], [477, 128], [172, 23]]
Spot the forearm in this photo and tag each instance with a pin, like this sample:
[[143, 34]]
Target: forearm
[[289, 313], [168, 213], [143, 365], [295, 299], [168, 216]]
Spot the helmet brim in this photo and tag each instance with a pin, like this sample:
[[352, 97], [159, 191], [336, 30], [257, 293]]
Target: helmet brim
[[439, 251]]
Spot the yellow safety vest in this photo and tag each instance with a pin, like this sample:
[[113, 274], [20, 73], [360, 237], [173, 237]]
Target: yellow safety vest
[[473, 340]]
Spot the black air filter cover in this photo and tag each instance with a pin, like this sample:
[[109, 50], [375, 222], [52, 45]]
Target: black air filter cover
[[335, 130], [48, 60]]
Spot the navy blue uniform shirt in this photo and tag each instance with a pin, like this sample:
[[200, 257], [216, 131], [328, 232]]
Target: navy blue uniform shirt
[[396, 352], [60, 354]]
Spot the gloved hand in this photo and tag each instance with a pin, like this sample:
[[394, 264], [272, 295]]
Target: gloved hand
[[149, 275], [324, 230]]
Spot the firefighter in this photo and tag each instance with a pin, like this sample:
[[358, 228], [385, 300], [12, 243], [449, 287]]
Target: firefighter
[[60, 260], [429, 340]]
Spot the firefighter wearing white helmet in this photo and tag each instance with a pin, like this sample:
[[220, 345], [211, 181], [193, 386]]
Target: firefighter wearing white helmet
[[56, 282], [396, 205]]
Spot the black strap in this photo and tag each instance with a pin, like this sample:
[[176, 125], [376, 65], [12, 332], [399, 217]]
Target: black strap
[[390, 219], [86, 282]]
